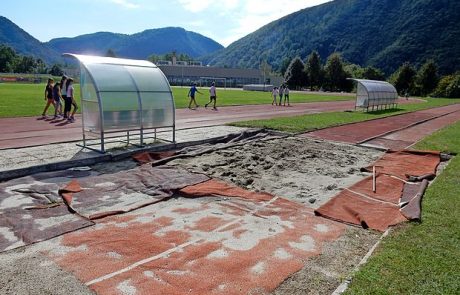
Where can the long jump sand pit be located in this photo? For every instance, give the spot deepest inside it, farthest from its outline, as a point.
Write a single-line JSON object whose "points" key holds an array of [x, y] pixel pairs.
{"points": [[252, 233], [301, 169]]}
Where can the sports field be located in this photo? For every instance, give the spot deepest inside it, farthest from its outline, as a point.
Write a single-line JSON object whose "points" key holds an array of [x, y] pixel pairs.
{"points": [[17, 100]]}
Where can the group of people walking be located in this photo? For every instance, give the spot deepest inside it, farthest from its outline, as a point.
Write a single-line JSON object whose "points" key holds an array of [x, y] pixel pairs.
{"points": [[281, 92], [212, 96], [55, 94]]}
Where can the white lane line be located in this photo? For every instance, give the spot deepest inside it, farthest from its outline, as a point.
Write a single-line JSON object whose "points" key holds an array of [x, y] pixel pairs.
{"points": [[172, 250]]}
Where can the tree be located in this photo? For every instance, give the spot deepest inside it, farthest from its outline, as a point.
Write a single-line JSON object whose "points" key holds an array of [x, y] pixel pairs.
{"points": [[7, 59], [40, 66], [371, 73], [427, 77], [25, 64], [110, 53], [449, 86], [295, 75], [354, 70], [314, 70], [404, 79], [284, 65], [266, 69], [56, 70], [335, 75]]}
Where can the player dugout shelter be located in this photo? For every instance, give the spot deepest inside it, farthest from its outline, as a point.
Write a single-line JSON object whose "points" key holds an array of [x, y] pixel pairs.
{"points": [[375, 94], [123, 99]]}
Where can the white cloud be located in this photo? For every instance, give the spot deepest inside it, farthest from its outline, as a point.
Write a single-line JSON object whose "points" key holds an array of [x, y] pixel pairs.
{"points": [[195, 6], [126, 3], [237, 18]]}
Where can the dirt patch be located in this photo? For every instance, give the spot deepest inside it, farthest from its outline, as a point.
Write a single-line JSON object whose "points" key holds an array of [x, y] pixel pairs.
{"points": [[322, 274], [27, 272], [301, 169]]}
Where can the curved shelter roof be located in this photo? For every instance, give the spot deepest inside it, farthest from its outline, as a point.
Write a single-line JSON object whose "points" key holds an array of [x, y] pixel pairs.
{"points": [[370, 93], [123, 94]]}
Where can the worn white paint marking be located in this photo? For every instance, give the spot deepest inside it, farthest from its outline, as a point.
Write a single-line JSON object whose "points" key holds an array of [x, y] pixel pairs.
{"points": [[221, 253], [306, 243], [8, 234], [222, 287], [322, 228], [175, 249], [105, 184], [140, 262], [49, 222], [114, 255], [259, 268], [281, 253], [126, 288], [16, 201], [177, 272]]}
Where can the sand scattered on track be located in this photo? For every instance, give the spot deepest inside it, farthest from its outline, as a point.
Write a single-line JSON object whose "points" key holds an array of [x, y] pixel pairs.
{"points": [[305, 170]]}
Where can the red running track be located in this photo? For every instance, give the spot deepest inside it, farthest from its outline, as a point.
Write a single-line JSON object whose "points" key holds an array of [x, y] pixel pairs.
{"points": [[396, 132], [31, 131]]}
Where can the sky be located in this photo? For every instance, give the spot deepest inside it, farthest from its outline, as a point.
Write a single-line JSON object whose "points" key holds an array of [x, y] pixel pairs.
{"points": [[224, 21]]}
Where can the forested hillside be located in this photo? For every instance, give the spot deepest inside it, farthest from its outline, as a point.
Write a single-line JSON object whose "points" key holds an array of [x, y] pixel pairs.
{"points": [[13, 36], [140, 45], [383, 34]]}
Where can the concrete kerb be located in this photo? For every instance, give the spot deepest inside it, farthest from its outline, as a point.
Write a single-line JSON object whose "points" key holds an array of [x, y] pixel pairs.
{"points": [[119, 155]]}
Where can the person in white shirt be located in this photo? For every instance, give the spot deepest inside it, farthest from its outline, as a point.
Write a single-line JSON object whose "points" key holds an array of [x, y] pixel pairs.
{"points": [[275, 95], [286, 95], [212, 96], [70, 97]]}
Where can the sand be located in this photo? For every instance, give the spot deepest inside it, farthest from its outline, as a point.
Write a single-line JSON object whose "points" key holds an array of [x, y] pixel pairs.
{"points": [[304, 170]]}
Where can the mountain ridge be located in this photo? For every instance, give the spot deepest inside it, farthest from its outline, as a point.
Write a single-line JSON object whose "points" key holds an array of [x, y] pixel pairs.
{"points": [[382, 33], [138, 45]]}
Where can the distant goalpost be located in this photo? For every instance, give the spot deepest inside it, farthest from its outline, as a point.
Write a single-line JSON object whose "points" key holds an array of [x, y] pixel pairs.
{"points": [[206, 81]]}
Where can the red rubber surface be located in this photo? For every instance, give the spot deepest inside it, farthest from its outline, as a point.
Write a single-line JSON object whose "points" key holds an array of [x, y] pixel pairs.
{"points": [[30, 131], [394, 132]]}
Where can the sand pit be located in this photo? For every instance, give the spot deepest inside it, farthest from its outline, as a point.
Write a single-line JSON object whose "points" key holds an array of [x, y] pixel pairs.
{"points": [[304, 170]]}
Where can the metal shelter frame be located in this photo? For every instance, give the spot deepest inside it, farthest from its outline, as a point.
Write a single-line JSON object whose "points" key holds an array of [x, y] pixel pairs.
{"points": [[123, 100], [375, 94]]}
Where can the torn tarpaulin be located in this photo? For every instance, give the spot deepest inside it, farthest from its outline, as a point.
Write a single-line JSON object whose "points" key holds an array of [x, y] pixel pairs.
{"points": [[124, 191], [31, 209], [394, 199]]}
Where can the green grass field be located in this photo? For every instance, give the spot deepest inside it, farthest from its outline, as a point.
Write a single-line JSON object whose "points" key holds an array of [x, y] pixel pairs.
{"points": [[422, 258], [18, 100], [316, 121]]}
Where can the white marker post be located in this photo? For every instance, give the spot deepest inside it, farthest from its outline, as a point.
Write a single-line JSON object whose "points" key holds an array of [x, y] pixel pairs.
{"points": [[374, 184]]}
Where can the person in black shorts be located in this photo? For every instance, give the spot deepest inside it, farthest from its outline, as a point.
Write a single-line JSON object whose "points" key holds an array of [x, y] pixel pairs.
{"points": [[70, 100], [191, 94], [57, 100], [48, 97], [212, 96], [64, 96]]}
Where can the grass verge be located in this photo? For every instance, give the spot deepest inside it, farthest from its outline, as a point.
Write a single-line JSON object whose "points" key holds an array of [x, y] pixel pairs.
{"points": [[18, 99], [310, 122], [422, 258]]}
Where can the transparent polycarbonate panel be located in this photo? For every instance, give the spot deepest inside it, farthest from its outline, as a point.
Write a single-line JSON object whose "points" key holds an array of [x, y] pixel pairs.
{"points": [[88, 91], [111, 77], [91, 115], [88, 59], [120, 110], [158, 109], [149, 79], [361, 96]]}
